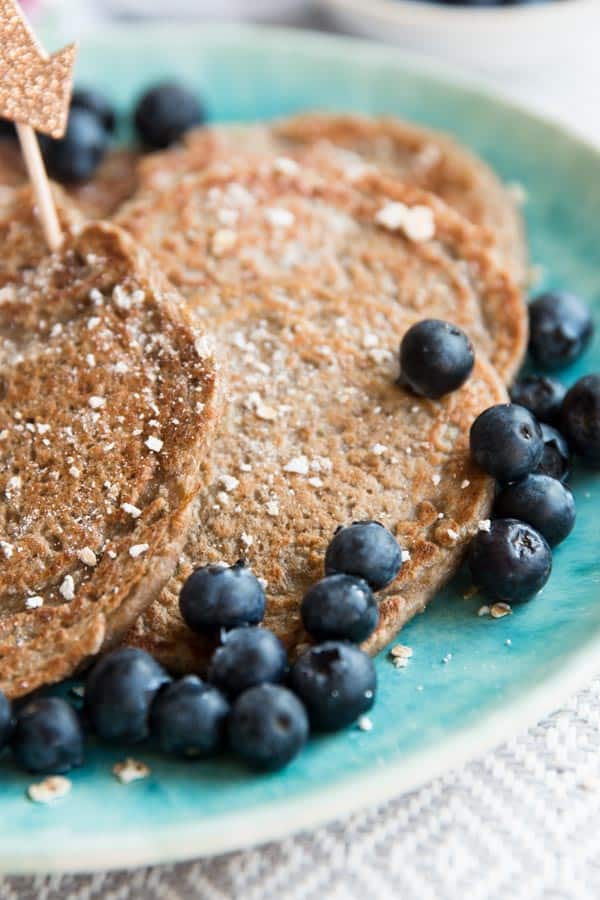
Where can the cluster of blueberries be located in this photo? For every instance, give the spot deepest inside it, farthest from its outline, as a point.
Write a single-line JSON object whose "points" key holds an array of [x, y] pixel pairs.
{"points": [[525, 445], [252, 700], [161, 116]]}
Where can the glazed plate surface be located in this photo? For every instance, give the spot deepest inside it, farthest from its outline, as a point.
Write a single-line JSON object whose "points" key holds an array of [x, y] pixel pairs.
{"points": [[500, 675]]}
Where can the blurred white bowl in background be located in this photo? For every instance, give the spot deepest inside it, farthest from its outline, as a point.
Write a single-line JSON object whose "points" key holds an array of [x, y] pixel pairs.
{"points": [[555, 31], [251, 10]]}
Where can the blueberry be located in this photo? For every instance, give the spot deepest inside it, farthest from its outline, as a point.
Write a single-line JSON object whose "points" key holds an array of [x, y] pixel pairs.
{"points": [[435, 358], [95, 102], [164, 113], [77, 155], [247, 657], [6, 720], [560, 328], [222, 597], [511, 561], [47, 737], [119, 691], [556, 458], [7, 129], [268, 726], [540, 395], [340, 607], [506, 441], [580, 418], [542, 502], [188, 718], [336, 682], [367, 550]]}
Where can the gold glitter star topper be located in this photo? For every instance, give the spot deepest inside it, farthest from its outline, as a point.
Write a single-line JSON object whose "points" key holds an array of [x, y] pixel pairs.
{"points": [[35, 92]]}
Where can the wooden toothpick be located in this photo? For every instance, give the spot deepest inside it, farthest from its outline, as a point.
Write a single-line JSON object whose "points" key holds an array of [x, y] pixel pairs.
{"points": [[41, 186], [35, 92]]}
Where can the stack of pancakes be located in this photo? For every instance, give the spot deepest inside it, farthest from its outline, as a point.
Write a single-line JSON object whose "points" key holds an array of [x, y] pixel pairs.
{"points": [[306, 249]]}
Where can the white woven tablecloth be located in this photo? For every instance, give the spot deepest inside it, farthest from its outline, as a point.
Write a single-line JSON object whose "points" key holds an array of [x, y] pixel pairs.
{"points": [[521, 823]]}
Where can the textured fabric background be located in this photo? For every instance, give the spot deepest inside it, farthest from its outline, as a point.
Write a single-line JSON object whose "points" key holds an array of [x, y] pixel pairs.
{"points": [[522, 823]]}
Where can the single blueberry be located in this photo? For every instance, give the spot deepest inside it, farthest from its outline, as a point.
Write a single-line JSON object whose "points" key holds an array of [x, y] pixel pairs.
{"points": [[336, 682], [542, 502], [511, 561], [556, 458], [188, 718], [506, 441], [7, 129], [6, 720], [560, 328], [97, 103], [248, 656], [164, 113], [435, 358], [47, 737], [580, 418], [340, 607], [540, 395], [365, 549], [268, 726], [76, 156], [119, 690], [219, 596]]}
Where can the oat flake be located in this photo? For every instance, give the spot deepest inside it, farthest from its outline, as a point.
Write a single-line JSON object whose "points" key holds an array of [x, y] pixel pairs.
{"points": [[499, 610], [154, 443], [87, 556], [298, 465], [138, 550], [130, 770], [53, 788], [67, 588], [134, 511]]}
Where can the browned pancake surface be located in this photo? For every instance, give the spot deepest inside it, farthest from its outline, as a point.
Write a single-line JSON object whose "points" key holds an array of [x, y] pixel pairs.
{"points": [[347, 143], [22, 244], [107, 406], [316, 434], [249, 223]]}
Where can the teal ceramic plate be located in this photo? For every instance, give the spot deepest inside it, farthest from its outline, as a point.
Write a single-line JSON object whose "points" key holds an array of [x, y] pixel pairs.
{"points": [[499, 674]]}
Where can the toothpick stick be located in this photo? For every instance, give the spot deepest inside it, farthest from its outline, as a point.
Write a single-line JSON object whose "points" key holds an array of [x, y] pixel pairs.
{"points": [[41, 186]]}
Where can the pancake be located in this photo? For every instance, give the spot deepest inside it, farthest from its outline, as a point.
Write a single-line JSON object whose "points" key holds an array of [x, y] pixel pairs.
{"points": [[310, 291], [317, 433], [371, 240], [412, 154], [108, 406], [21, 234]]}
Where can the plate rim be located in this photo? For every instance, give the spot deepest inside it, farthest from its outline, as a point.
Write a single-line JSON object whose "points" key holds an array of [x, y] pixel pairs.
{"points": [[282, 817], [228, 833], [477, 83]]}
